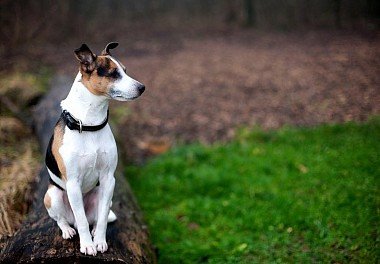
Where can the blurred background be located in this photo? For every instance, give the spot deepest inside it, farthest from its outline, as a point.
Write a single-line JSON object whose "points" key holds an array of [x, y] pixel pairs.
{"points": [[227, 63], [212, 68]]}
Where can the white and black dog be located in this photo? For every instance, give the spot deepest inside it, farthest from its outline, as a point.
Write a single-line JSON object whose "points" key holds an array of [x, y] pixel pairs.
{"points": [[81, 157]]}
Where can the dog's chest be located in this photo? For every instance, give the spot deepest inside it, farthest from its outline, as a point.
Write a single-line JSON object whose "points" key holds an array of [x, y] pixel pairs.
{"points": [[89, 156]]}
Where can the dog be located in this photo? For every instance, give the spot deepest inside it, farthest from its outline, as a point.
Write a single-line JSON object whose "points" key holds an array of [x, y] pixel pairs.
{"points": [[81, 157]]}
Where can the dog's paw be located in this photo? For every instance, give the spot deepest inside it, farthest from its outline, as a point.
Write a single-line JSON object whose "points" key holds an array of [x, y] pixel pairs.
{"points": [[88, 249], [68, 232], [101, 246]]}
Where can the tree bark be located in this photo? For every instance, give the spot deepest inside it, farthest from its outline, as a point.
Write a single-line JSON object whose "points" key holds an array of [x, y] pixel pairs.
{"points": [[250, 15], [39, 240], [337, 13]]}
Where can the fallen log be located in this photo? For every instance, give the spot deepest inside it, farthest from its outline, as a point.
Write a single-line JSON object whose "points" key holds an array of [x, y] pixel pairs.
{"points": [[39, 239]]}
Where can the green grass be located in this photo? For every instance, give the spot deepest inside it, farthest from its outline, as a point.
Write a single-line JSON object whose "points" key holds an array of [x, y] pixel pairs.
{"points": [[308, 195]]}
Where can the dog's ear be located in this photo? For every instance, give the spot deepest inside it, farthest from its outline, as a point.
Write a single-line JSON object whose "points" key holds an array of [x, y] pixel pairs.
{"points": [[86, 58], [109, 46]]}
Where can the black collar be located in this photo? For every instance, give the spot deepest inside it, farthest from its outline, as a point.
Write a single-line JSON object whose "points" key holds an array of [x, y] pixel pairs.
{"points": [[75, 124]]}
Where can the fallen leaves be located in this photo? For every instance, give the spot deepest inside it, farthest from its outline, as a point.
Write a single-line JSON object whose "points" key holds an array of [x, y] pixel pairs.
{"points": [[201, 92]]}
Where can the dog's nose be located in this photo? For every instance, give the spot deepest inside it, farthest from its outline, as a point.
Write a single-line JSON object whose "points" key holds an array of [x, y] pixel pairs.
{"points": [[141, 88]]}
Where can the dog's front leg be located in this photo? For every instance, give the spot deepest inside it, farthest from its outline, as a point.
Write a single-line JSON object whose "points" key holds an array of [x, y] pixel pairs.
{"points": [[74, 193], [105, 193]]}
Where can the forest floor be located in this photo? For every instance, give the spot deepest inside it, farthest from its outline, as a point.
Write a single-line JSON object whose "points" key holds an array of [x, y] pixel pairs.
{"points": [[201, 88]]}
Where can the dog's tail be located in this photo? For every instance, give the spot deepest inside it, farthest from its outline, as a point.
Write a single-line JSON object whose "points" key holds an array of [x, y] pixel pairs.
{"points": [[111, 217]]}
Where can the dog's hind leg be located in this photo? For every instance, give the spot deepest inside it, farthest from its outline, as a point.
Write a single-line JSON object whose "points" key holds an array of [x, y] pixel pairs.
{"points": [[111, 216], [57, 207], [67, 230]]}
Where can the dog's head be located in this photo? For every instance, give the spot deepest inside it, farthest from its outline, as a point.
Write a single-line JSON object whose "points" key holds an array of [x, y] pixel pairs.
{"points": [[104, 75]]}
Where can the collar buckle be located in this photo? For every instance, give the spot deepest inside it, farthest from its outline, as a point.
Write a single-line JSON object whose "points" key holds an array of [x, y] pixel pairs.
{"points": [[80, 126]]}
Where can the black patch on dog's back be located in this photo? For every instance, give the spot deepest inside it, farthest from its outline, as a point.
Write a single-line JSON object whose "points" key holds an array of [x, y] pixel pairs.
{"points": [[50, 160]]}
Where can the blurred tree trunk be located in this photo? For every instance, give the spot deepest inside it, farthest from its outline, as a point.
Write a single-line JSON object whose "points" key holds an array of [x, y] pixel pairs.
{"points": [[305, 8], [230, 15], [373, 8], [337, 12], [250, 16]]}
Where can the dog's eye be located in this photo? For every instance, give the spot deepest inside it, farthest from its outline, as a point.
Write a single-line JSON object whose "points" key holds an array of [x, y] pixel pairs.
{"points": [[102, 71], [114, 74]]}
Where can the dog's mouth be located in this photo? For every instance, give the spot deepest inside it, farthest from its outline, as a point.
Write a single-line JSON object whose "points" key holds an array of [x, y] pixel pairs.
{"points": [[122, 98]]}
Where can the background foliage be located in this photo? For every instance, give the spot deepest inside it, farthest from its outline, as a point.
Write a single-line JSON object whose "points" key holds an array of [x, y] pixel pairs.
{"points": [[48, 20]]}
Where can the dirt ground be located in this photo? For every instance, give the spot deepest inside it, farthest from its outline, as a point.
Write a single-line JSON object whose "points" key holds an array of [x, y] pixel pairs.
{"points": [[201, 86]]}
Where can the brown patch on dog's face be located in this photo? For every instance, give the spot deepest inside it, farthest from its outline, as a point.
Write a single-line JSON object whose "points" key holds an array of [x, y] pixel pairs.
{"points": [[47, 201], [100, 80], [57, 143]]}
